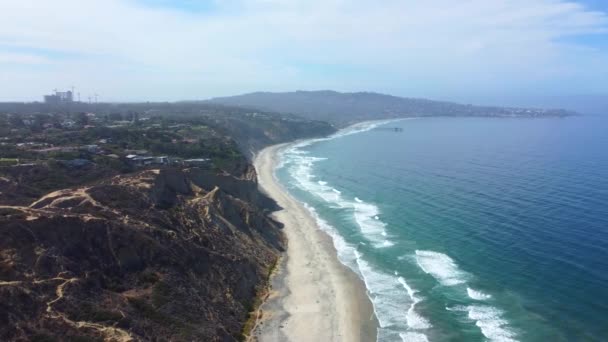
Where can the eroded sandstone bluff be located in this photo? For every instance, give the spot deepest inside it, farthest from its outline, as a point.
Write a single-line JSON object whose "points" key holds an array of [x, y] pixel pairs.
{"points": [[172, 254]]}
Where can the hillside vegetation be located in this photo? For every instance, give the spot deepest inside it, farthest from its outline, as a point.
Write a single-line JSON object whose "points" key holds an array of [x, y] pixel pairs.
{"points": [[135, 222], [169, 255]]}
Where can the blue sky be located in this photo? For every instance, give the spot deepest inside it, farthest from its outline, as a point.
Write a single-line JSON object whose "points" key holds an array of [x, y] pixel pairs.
{"points": [[129, 50], [191, 6]]}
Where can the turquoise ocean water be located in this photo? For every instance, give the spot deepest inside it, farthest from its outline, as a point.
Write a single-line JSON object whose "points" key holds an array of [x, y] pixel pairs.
{"points": [[468, 229]]}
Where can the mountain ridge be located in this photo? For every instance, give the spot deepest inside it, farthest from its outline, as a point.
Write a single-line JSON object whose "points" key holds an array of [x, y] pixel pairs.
{"points": [[342, 109]]}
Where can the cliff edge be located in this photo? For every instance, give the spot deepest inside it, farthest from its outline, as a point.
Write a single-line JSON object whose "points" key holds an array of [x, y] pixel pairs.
{"points": [[174, 254]]}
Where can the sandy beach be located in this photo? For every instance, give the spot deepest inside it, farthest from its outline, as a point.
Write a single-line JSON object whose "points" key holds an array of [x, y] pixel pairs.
{"points": [[314, 297]]}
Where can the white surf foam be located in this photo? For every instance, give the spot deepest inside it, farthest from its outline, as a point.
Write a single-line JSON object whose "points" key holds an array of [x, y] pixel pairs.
{"points": [[413, 337], [488, 318], [440, 266], [410, 291], [414, 320], [390, 295], [394, 301], [477, 295], [393, 305], [365, 214], [490, 321], [282, 162], [301, 169], [373, 229], [346, 252], [354, 129], [363, 127]]}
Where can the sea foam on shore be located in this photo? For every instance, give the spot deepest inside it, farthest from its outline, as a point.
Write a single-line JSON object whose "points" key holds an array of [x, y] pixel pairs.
{"points": [[394, 301]]}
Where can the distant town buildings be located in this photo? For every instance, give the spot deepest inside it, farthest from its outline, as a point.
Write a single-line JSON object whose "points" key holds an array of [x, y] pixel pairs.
{"points": [[147, 160], [197, 162], [59, 97]]}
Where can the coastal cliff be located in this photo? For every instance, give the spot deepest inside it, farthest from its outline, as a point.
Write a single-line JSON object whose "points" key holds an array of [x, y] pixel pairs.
{"points": [[136, 222], [170, 254]]}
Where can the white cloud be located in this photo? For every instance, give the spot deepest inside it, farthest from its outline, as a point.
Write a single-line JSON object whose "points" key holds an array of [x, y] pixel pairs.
{"points": [[432, 47]]}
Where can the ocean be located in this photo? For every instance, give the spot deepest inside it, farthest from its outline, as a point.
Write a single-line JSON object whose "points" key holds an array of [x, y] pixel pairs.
{"points": [[467, 229]]}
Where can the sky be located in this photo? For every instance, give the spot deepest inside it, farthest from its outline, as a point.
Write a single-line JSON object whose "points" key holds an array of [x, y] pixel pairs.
{"points": [[167, 50]]}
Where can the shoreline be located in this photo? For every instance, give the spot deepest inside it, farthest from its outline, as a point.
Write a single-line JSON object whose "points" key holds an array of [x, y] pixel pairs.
{"points": [[314, 297]]}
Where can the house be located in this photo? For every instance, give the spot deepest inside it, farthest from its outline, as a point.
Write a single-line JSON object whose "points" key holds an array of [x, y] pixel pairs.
{"points": [[31, 145], [136, 152], [197, 162], [76, 163], [164, 160], [146, 160], [90, 148], [56, 149], [68, 124], [142, 161]]}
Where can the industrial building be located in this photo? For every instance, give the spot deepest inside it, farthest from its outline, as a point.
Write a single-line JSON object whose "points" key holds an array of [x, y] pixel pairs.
{"points": [[59, 97]]}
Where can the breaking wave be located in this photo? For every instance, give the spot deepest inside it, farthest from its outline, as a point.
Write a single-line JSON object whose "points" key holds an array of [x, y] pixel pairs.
{"points": [[477, 295], [440, 266], [300, 167], [394, 301], [390, 295], [488, 318], [490, 321]]}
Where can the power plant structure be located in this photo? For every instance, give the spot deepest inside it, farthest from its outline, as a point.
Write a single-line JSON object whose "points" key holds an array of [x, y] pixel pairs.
{"points": [[68, 97], [60, 97]]}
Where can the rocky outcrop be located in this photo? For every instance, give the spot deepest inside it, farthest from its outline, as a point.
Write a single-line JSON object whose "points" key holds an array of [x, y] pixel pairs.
{"points": [[158, 255]]}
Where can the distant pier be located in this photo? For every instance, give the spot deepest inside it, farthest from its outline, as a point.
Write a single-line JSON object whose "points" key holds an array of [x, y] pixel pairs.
{"points": [[390, 129]]}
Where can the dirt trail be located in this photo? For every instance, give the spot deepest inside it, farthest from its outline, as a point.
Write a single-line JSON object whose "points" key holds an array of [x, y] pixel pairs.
{"points": [[111, 334]]}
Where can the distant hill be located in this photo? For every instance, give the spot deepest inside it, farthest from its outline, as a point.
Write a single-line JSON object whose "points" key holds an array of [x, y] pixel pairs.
{"points": [[345, 108]]}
